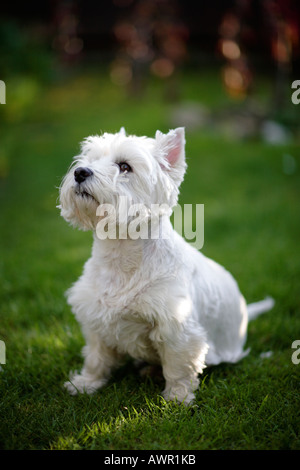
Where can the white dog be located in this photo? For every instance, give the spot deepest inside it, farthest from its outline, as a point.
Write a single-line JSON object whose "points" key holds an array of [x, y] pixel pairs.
{"points": [[158, 300]]}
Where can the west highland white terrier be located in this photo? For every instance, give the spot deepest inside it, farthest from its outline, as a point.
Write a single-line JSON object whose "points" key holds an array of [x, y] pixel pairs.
{"points": [[155, 298]]}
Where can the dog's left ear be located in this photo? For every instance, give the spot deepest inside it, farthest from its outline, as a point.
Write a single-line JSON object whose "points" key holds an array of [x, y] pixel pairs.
{"points": [[171, 147]]}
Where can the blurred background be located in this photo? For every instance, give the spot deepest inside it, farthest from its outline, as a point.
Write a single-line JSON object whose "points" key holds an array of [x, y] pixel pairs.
{"points": [[227, 65]]}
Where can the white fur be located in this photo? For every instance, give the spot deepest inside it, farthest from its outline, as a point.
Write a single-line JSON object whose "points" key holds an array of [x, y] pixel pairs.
{"points": [[159, 300]]}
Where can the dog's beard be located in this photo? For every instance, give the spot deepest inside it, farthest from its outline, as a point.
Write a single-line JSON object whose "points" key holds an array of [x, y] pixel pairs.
{"points": [[78, 203], [84, 193], [85, 206]]}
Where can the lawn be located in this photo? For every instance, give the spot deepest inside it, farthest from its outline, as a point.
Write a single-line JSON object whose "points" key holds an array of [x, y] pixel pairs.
{"points": [[252, 227]]}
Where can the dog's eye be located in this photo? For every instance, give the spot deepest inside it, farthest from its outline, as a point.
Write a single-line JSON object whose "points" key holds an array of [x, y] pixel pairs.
{"points": [[124, 167]]}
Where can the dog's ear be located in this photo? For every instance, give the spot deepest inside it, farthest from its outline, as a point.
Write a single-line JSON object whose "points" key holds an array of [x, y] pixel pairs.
{"points": [[122, 131], [170, 148]]}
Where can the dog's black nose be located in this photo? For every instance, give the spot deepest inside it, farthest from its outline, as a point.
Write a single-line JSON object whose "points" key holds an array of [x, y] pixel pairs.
{"points": [[81, 174]]}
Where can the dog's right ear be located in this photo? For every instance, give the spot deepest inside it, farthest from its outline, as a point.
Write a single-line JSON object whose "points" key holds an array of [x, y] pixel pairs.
{"points": [[170, 150]]}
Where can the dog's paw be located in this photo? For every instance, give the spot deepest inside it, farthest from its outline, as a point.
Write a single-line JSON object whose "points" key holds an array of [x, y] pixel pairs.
{"points": [[82, 384], [188, 398]]}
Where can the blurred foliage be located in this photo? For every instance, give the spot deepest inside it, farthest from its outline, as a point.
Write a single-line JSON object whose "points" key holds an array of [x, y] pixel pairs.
{"points": [[26, 63], [23, 52]]}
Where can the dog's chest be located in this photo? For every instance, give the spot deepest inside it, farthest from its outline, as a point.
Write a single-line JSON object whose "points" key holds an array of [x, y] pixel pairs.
{"points": [[130, 334], [125, 324], [118, 311]]}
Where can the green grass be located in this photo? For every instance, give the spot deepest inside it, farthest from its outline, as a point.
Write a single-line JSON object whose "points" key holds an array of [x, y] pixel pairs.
{"points": [[251, 226]]}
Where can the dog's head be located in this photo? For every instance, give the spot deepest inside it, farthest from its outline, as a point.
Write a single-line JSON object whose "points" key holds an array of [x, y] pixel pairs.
{"points": [[144, 170]]}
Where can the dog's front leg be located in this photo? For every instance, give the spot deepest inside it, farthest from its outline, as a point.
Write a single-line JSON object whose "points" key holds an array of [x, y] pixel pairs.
{"points": [[98, 363], [181, 382], [182, 361]]}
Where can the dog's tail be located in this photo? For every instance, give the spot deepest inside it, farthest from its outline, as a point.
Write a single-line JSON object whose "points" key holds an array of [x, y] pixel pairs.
{"points": [[257, 308]]}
